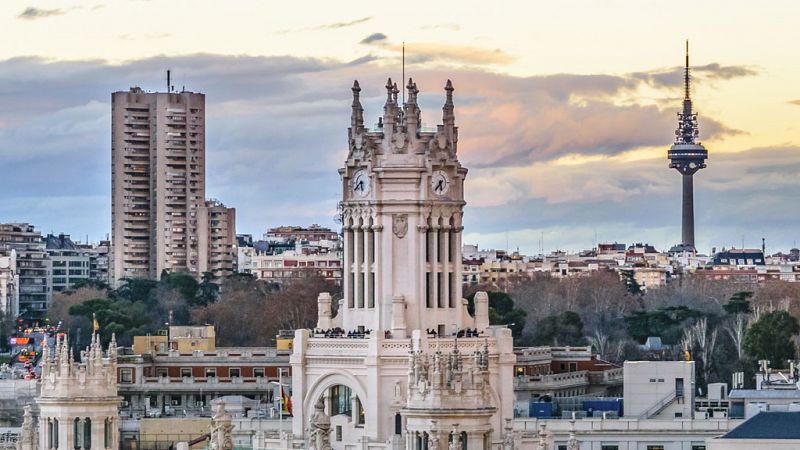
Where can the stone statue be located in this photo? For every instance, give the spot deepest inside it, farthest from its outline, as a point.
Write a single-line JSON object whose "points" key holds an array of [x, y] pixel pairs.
{"points": [[319, 428], [221, 429]]}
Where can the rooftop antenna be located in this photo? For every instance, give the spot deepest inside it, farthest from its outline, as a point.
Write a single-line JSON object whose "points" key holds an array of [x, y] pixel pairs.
{"points": [[404, 70], [168, 80]]}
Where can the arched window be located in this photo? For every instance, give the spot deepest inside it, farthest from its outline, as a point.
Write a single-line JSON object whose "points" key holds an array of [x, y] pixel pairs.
{"points": [[77, 432], [398, 424], [87, 433], [107, 433], [54, 434]]}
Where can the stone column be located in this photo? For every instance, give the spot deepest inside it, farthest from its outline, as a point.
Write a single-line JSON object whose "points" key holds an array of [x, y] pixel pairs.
{"points": [[98, 433], [357, 254], [435, 257], [348, 267], [369, 302], [446, 268]]}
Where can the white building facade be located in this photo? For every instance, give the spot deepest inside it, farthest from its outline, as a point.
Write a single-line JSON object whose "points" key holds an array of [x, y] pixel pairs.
{"points": [[412, 384]]}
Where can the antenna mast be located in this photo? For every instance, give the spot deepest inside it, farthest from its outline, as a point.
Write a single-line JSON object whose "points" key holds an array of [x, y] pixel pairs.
{"points": [[168, 80], [403, 78]]}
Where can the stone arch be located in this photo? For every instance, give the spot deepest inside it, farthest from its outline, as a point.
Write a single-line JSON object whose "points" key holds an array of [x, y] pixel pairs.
{"points": [[328, 380]]}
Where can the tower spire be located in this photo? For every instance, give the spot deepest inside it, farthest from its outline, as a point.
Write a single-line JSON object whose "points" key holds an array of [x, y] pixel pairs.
{"points": [[686, 74], [687, 130], [357, 115]]}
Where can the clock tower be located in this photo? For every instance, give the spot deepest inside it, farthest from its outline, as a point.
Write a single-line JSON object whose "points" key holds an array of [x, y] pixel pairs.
{"points": [[402, 203], [402, 364]]}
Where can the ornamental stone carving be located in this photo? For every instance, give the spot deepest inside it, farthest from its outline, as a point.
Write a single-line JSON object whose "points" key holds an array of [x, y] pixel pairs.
{"points": [[400, 225]]}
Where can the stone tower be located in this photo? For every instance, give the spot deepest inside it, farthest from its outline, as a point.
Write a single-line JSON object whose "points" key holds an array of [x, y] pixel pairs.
{"points": [[78, 402], [401, 209], [687, 155]]}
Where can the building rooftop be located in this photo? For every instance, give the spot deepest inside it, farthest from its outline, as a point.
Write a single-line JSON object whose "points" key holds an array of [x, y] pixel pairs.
{"points": [[764, 393], [768, 425]]}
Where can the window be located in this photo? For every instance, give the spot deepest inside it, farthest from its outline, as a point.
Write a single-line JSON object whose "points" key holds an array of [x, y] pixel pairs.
{"points": [[655, 447], [211, 372], [698, 446], [186, 372], [258, 372], [609, 447], [126, 376], [235, 372], [338, 433], [161, 372], [573, 367]]}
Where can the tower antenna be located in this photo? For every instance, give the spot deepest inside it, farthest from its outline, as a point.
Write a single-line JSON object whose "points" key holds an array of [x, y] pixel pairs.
{"points": [[168, 79], [686, 72], [404, 70]]}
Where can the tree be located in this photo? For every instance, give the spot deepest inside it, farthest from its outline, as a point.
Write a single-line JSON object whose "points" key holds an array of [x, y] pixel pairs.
{"points": [[562, 329], [739, 303], [668, 323], [630, 281], [771, 338], [209, 291]]}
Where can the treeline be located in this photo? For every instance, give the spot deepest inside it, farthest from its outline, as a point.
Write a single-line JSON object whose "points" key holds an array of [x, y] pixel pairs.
{"points": [[724, 326], [244, 310]]}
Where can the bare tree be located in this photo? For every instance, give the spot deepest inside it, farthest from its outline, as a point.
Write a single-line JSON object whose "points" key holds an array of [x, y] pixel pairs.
{"points": [[736, 328]]}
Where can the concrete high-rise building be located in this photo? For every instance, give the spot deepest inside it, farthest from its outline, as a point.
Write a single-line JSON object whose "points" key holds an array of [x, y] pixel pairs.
{"points": [[31, 263], [159, 220], [687, 156]]}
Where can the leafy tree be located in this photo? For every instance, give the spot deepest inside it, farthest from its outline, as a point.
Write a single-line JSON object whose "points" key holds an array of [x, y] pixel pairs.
{"points": [[209, 291], [184, 283], [562, 329], [668, 323], [771, 338], [739, 303]]}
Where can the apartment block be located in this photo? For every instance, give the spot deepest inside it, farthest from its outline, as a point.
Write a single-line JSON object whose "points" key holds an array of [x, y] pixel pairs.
{"points": [[31, 263], [217, 239], [160, 218]]}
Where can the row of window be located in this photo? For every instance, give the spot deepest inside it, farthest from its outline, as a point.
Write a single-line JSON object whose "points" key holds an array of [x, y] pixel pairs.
{"points": [[126, 374]]}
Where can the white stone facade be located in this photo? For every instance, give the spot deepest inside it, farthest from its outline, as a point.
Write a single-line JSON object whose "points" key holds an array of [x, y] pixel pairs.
{"points": [[78, 402], [403, 308]]}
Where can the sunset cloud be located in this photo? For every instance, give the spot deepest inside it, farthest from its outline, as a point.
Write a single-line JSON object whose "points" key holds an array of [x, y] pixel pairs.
{"points": [[545, 152]]}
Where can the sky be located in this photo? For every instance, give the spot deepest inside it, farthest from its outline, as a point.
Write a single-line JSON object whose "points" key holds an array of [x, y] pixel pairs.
{"points": [[565, 109]]}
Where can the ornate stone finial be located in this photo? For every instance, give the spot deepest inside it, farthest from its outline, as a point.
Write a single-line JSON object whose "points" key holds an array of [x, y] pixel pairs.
{"points": [[112, 348], [508, 436], [395, 91], [412, 91], [357, 115], [572, 441], [448, 110], [27, 436], [389, 86], [542, 437]]}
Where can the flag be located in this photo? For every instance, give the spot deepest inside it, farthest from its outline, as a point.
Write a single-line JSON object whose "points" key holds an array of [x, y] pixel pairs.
{"points": [[95, 323], [286, 403]]}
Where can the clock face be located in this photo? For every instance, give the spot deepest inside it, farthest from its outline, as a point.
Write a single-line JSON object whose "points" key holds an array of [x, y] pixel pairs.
{"points": [[440, 183], [360, 183]]}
